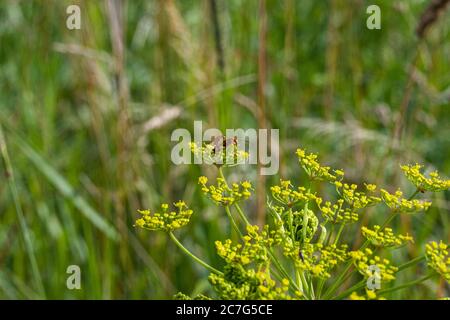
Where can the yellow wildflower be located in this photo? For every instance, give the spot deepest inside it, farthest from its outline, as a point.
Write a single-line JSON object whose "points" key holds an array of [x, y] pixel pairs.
{"points": [[165, 220], [433, 183]]}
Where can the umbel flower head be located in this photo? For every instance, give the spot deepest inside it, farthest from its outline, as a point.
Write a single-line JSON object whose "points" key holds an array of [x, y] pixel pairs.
{"points": [[337, 213], [286, 194], [317, 259], [434, 183], [165, 220], [247, 271], [224, 195], [346, 209], [238, 283], [363, 259], [399, 204], [223, 154], [314, 169], [252, 250], [438, 258], [385, 237], [357, 199], [241, 253]]}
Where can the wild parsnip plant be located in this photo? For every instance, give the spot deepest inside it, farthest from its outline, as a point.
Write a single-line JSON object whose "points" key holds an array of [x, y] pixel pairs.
{"points": [[300, 253]]}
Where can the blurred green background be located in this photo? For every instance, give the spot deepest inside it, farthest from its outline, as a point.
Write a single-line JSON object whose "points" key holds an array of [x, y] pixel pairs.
{"points": [[86, 117]]}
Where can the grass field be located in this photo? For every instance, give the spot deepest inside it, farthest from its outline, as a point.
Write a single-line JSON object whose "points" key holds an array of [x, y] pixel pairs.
{"points": [[86, 118]]}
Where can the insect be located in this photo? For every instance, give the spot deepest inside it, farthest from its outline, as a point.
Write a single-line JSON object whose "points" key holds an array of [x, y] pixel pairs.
{"points": [[300, 254], [221, 142]]}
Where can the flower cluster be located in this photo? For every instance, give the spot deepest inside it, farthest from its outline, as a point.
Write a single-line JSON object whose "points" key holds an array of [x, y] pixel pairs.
{"points": [[287, 195], [165, 220], [182, 296], [239, 280], [438, 257], [224, 195], [363, 259], [399, 204], [434, 183], [253, 249], [370, 295], [345, 210], [317, 259], [265, 237], [385, 237], [336, 213], [219, 155], [241, 253], [237, 283], [357, 199], [313, 168]]}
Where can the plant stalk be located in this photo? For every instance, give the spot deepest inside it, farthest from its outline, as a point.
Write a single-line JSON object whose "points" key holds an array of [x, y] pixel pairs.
{"points": [[187, 252]]}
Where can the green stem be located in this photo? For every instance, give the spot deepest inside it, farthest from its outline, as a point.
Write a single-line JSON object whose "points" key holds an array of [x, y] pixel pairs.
{"points": [[406, 285], [312, 293], [320, 287], [414, 194], [233, 222], [299, 280], [200, 261], [357, 286], [283, 271], [339, 233], [304, 284], [291, 224], [411, 263], [337, 283], [238, 208], [241, 214], [277, 275], [223, 177], [388, 220], [327, 242]]}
